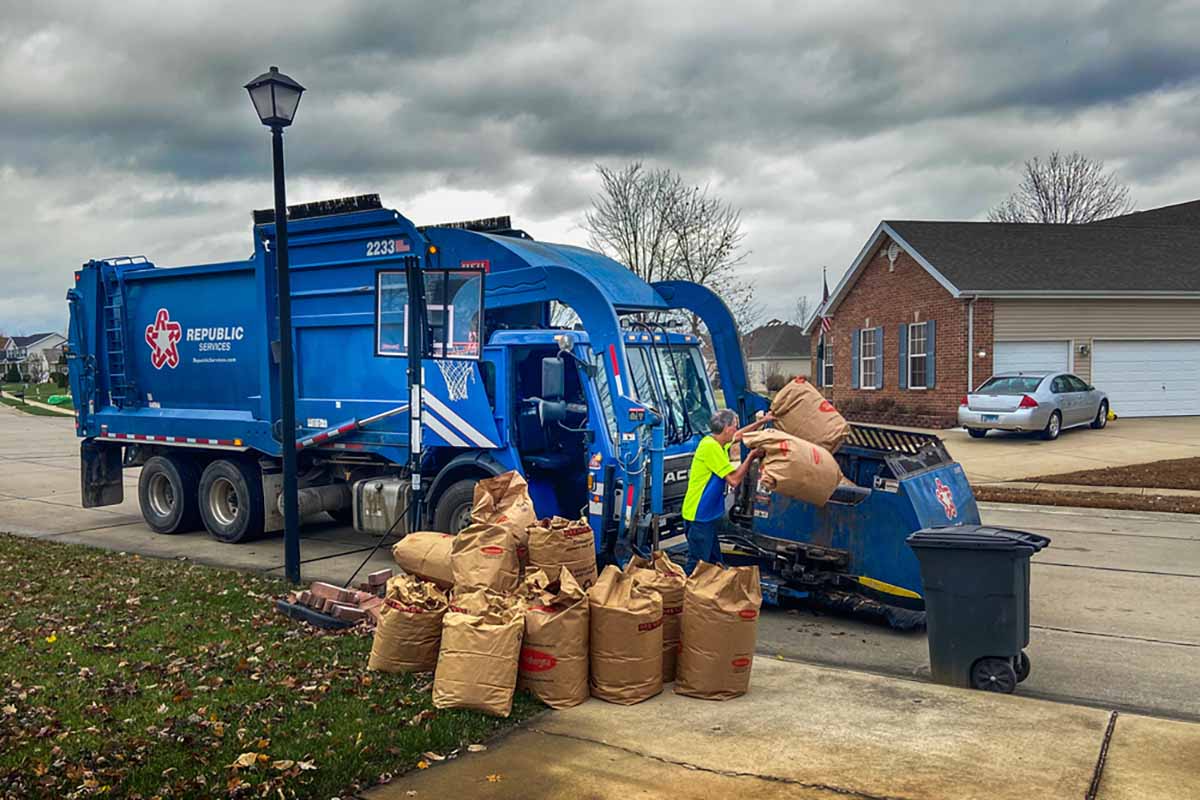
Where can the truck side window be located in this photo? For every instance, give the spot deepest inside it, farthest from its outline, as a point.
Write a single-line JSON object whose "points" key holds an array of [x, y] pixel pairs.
{"points": [[453, 300], [604, 390]]}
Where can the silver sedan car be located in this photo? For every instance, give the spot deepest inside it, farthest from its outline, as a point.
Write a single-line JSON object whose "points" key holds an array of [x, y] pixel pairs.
{"points": [[1033, 401]]}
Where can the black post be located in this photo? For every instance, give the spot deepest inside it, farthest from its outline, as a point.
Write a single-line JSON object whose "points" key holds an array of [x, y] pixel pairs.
{"points": [[416, 351], [287, 380]]}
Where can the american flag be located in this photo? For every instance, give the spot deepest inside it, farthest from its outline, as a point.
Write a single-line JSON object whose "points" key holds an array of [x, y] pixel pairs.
{"points": [[826, 322]]}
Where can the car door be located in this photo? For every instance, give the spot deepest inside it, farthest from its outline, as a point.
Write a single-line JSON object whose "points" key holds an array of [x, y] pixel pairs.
{"points": [[1088, 403], [1060, 388]]}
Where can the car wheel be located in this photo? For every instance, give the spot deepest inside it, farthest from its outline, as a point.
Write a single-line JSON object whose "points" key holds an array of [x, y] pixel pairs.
{"points": [[167, 494], [453, 510], [231, 501], [1053, 427], [977, 433], [1101, 416]]}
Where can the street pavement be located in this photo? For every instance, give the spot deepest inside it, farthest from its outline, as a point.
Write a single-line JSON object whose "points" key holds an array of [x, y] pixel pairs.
{"points": [[1115, 598]]}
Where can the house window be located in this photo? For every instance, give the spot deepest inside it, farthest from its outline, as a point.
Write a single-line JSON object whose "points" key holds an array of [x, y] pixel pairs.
{"points": [[827, 366], [867, 358], [918, 356]]}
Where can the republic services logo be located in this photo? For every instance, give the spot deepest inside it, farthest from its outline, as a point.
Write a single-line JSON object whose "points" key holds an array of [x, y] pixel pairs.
{"points": [[163, 337], [946, 497]]}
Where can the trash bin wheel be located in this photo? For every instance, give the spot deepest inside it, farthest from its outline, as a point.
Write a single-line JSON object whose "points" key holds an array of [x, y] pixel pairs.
{"points": [[1021, 666], [994, 675]]}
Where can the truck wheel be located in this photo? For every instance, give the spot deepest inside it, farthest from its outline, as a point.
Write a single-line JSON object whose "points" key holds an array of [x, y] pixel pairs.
{"points": [[453, 510], [167, 494], [231, 501]]}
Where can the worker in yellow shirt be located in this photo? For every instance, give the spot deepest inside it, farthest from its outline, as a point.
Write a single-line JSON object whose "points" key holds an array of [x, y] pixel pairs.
{"points": [[711, 474]]}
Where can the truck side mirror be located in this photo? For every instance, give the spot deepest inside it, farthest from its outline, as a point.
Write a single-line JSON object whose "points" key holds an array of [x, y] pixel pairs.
{"points": [[553, 378]]}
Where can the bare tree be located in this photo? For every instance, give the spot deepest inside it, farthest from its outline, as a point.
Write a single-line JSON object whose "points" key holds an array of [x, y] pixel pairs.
{"points": [[802, 310], [1064, 189], [663, 229], [628, 219]]}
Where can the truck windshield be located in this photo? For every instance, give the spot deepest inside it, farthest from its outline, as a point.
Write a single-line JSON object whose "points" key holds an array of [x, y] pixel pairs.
{"points": [[673, 380]]}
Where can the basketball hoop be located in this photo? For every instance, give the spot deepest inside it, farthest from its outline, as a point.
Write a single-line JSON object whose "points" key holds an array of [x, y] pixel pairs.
{"points": [[456, 374]]}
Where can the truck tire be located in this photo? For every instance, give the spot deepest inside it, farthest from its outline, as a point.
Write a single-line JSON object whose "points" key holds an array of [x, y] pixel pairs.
{"points": [[231, 501], [167, 494], [453, 510]]}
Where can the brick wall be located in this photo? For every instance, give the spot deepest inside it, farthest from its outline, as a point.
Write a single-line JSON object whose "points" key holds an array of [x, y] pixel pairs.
{"points": [[886, 297]]}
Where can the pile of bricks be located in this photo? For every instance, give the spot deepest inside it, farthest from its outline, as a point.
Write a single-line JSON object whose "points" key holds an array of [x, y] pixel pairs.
{"points": [[350, 605]]}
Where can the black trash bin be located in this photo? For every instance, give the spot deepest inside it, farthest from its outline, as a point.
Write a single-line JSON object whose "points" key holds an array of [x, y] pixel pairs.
{"points": [[976, 581]]}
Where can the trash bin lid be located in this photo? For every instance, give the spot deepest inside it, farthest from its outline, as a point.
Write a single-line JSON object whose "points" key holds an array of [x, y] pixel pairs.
{"points": [[977, 537]]}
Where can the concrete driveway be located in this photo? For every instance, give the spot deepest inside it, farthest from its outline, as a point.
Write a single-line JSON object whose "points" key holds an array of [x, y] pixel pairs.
{"points": [[1011, 456]]}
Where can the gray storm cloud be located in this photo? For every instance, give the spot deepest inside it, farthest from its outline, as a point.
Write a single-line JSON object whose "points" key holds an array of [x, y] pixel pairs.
{"points": [[124, 128]]}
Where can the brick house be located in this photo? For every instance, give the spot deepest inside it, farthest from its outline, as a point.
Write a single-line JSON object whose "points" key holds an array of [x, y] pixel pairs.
{"points": [[930, 310]]}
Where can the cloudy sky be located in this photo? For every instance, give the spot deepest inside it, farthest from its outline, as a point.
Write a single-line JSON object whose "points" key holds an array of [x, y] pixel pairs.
{"points": [[124, 128]]}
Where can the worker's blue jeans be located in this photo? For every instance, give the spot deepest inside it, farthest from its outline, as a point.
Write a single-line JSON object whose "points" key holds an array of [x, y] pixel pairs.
{"points": [[703, 544]]}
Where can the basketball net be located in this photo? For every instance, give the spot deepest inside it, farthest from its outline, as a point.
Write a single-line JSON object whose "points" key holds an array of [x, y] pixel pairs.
{"points": [[456, 374]]}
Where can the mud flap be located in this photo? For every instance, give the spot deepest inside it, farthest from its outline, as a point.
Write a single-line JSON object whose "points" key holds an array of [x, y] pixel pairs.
{"points": [[100, 474]]}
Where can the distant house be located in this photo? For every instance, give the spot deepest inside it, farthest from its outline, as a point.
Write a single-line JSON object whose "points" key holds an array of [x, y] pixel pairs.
{"points": [[36, 356], [930, 310], [777, 348]]}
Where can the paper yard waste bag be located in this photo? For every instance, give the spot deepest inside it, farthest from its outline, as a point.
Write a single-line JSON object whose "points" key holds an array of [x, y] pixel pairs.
{"points": [[667, 578], [504, 500], [481, 642], [801, 410], [554, 652], [409, 632], [426, 554], [626, 639], [720, 626], [795, 467], [485, 555], [562, 542]]}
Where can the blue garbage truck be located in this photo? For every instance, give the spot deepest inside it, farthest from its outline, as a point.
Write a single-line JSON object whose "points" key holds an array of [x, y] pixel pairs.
{"points": [[175, 370]]}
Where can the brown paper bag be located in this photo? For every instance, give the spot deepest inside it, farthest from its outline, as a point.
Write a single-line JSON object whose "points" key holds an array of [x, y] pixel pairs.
{"points": [[554, 652], [720, 626], [561, 542], [426, 554], [626, 639], [477, 663], [667, 578], [409, 632], [801, 410], [504, 500], [795, 467], [485, 555]]}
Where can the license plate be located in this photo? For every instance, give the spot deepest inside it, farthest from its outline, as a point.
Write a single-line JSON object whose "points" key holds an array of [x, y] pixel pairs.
{"points": [[990, 418]]}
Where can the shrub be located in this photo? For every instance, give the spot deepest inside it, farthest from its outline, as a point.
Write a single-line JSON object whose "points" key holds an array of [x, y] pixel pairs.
{"points": [[60, 380], [775, 382], [13, 375]]}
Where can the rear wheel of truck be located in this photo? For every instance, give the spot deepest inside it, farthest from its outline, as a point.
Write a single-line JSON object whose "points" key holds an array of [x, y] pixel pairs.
{"points": [[231, 501], [453, 510], [167, 494]]}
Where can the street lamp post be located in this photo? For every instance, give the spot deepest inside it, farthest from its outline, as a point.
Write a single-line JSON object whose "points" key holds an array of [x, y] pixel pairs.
{"points": [[276, 97]]}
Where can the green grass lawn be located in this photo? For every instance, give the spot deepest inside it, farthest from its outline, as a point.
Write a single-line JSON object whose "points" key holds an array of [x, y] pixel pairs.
{"points": [[129, 677], [41, 392], [28, 409]]}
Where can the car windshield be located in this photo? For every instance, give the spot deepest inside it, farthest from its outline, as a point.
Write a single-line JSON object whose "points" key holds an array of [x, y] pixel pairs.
{"points": [[1011, 384]]}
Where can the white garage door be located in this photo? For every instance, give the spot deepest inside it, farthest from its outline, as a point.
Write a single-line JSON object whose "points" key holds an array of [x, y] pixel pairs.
{"points": [[1050, 356], [1149, 379]]}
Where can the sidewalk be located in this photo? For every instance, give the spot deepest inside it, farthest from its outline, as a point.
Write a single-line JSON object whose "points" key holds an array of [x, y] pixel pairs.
{"points": [[824, 734], [39, 404], [1078, 487]]}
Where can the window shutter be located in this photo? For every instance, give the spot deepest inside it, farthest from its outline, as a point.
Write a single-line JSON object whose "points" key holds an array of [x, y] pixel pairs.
{"points": [[854, 365], [879, 359], [820, 381], [902, 365], [931, 355]]}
